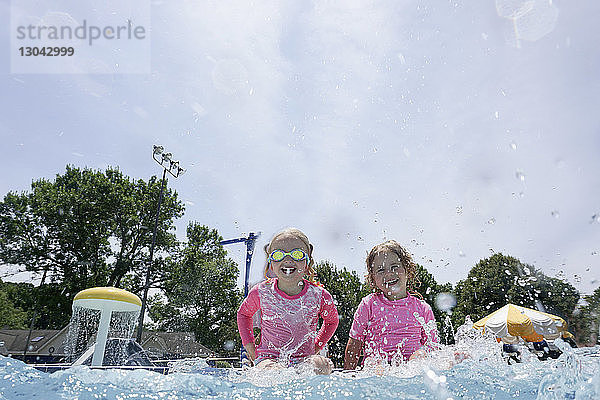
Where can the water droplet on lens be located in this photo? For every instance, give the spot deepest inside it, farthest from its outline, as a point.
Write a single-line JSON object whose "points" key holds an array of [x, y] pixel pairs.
{"points": [[229, 345], [555, 214], [445, 302]]}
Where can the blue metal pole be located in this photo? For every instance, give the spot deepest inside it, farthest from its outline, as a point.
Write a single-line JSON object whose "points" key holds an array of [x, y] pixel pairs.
{"points": [[250, 242]]}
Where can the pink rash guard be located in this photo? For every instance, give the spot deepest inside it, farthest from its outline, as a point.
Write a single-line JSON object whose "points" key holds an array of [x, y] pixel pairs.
{"points": [[288, 323], [389, 327]]}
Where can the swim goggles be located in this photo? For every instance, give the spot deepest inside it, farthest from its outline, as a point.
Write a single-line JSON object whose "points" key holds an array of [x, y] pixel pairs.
{"points": [[296, 255]]}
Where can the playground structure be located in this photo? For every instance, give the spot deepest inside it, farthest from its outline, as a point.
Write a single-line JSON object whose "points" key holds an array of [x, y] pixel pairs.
{"points": [[106, 300], [250, 242]]}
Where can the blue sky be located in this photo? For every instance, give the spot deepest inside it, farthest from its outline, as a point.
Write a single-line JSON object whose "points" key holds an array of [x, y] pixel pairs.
{"points": [[448, 127]]}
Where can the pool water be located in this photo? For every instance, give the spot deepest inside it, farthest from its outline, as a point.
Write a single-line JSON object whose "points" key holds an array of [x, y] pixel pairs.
{"points": [[574, 375]]}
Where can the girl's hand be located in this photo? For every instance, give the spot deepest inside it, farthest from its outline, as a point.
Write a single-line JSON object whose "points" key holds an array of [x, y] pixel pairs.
{"points": [[353, 350], [420, 353], [322, 365], [251, 351], [460, 356]]}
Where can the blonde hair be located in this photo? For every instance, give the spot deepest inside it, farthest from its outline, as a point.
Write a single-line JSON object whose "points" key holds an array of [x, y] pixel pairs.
{"points": [[297, 233], [391, 246]]}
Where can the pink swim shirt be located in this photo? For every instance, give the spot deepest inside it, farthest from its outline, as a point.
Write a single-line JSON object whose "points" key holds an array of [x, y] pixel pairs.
{"points": [[288, 323], [389, 327]]}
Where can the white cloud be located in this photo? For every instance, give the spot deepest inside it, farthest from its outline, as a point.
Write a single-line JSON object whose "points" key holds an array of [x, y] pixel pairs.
{"points": [[354, 120]]}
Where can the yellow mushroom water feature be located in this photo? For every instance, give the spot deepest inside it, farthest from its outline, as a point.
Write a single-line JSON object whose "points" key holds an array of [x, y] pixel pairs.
{"points": [[106, 300]]}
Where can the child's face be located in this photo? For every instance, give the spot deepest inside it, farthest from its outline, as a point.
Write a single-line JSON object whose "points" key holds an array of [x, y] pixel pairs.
{"points": [[389, 275], [288, 270]]}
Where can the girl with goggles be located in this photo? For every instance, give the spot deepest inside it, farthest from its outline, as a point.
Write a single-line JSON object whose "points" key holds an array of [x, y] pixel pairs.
{"points": [[290, 305], [296, 255]]}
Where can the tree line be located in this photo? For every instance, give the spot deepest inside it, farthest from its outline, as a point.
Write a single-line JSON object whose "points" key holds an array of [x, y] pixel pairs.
{"points": [[91, 228]]}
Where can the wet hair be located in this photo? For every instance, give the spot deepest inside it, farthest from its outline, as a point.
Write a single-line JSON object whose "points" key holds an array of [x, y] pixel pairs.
{"points": [[391, 246], [310, 272]]}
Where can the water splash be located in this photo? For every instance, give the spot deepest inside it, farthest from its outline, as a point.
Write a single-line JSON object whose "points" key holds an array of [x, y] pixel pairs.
{"points": [[448, 328], [430, 329], [84, 325], [472, 379], [566, 380], [187, 365], [437, 384]]}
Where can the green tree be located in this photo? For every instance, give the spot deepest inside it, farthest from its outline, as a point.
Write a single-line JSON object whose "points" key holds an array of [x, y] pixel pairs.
{"points": [[586, 322], [51, 307], [347, 291], [86, 228], [558, 297], [501, 279], [11, 317], [430, 289], [134, 218], [200, 292]]}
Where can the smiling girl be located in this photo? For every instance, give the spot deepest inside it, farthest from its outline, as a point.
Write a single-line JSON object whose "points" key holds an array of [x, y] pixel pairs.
{"points": [[391, 324], [290, 306]]}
